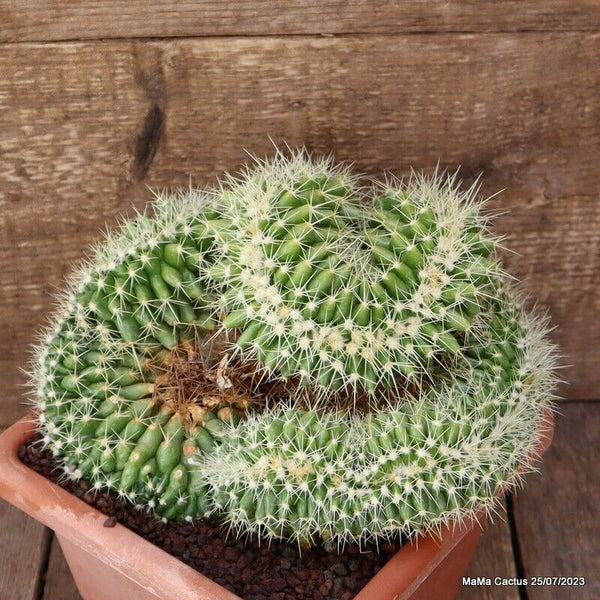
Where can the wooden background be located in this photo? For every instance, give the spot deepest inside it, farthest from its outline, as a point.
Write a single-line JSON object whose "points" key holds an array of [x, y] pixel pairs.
{"points": [[99, 100]]}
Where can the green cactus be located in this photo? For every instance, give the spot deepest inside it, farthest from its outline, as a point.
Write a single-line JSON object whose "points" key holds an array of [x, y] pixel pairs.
{"points": [[345, 297], [299, 355], [111, 373], [424, 462]]}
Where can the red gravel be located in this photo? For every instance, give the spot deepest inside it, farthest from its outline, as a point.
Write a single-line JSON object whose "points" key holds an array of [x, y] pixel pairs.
{"points": [[243, 566]]}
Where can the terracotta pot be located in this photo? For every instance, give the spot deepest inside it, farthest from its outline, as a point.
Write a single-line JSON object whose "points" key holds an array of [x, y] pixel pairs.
{"points": [[116, 564]]}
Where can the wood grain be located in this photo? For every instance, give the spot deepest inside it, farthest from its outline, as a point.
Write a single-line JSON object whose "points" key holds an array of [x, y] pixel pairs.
{"points": [[59, 583], [23, 547], [493, 558], [87, 126], [91, 19], [557, 514]]}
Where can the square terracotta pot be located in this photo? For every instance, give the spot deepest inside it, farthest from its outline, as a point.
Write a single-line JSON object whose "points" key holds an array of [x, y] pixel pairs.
{"points": [[117, 564]]}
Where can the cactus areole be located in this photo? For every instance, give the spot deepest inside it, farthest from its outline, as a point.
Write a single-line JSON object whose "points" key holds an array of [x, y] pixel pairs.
{"points": [[300, 355]]}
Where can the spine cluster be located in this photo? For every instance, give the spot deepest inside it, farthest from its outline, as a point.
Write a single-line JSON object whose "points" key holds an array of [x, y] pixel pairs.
{"points": [[406, 379]]}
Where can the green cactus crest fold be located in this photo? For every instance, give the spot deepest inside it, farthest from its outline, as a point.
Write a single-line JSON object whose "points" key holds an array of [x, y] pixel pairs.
{"points": [[298, 355]]}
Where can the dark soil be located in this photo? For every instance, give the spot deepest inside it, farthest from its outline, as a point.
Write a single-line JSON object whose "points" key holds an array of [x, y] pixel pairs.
{"points": [[251, 570]]}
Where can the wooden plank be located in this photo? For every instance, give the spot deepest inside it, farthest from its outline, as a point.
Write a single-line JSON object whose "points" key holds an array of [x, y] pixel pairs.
{"points": [[91, 19], [106, 119], [23, 551], [493, 558], [557, 513], [59, 581]]}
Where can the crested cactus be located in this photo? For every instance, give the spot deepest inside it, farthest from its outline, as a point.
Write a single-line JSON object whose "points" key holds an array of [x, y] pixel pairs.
{"points": [[298, 355]]}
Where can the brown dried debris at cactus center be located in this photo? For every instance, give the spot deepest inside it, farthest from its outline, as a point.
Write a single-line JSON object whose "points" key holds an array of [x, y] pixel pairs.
{"points": [[193, 383], [194, 379]]}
